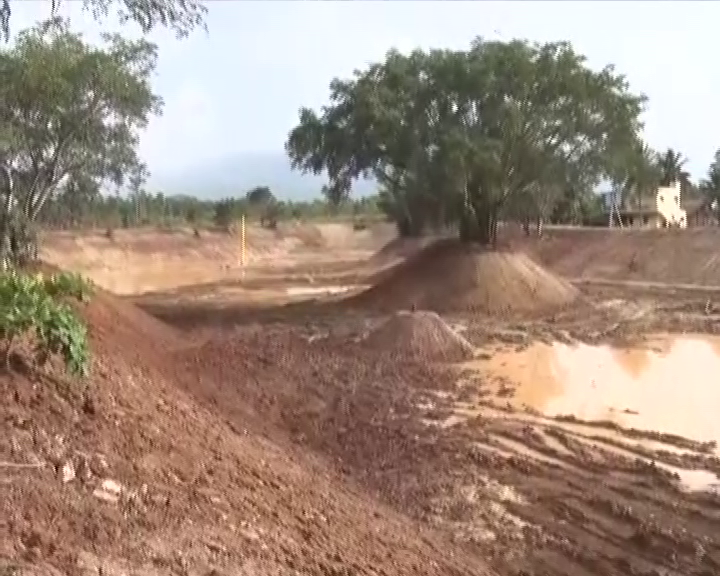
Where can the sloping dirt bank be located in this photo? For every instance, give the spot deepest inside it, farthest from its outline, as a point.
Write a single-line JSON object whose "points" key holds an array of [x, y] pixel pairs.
{"points": [[135, 261], [128, 474], [669, 256]]}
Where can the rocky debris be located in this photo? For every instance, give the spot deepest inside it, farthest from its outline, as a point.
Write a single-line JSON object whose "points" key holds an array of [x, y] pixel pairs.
{"points": [[109, 491], [67, 472]]}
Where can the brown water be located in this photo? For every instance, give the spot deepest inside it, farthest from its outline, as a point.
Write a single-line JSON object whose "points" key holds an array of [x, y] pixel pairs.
{"points": [[671, 385], [668, 385]]}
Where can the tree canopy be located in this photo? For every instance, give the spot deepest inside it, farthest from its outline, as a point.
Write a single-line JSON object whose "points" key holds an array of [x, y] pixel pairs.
{"points": [[182, 16], [461, 137], [70, 117]]}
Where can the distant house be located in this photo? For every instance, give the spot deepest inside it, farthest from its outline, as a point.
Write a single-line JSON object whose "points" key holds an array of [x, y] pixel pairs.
{"points": [[664, 210]]}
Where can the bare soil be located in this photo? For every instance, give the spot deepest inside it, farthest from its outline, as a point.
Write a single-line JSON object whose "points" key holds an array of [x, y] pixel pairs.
{"points": [[451, 277], [253, 433], [671, 256], [421, 335], [198, 489]]}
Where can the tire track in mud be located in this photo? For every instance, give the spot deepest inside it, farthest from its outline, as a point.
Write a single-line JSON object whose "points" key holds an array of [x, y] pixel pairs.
{"points": [[595, 490]]}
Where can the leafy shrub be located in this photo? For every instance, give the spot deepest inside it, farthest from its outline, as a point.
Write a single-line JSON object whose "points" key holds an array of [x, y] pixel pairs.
{"points": [[359, 225], [33, 305]]}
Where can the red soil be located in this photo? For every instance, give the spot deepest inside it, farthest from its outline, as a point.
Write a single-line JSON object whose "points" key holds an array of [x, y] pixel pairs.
{"points": [[200, 492], [452, 277]]}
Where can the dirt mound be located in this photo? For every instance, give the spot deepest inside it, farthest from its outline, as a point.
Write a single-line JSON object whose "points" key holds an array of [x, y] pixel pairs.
{"points": [[422, 335], [127, 472], [450, 277]]}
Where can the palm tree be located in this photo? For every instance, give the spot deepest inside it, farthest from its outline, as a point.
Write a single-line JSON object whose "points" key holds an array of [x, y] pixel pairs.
{"points": [[671, 165], [710, 186], [643, 175]]}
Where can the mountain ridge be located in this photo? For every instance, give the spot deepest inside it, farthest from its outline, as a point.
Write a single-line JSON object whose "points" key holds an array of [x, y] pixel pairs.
{"points": [[236, 174]]}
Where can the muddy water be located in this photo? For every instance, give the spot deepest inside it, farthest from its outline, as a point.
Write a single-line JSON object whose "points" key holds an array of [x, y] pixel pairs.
{"points": [[671, 385]]}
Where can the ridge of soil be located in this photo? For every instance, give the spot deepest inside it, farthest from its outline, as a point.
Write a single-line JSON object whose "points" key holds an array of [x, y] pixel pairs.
{"points": [[127, 472], [421, 335], [672, 256], [449, 276]]}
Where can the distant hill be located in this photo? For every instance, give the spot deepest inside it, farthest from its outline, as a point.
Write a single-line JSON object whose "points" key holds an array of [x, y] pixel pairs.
{"points": [[233, 176]]}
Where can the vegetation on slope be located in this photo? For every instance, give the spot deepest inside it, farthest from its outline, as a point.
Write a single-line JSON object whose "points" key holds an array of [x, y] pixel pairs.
{"points": [[34, 311]]}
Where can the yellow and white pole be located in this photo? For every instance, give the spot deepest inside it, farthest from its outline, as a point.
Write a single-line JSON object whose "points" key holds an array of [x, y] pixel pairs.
{"points": [[243, 247]]}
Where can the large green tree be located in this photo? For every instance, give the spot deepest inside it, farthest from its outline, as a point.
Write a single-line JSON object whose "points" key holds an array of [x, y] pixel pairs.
{"points": [[70, 116], [463, 136], [182, 16]]}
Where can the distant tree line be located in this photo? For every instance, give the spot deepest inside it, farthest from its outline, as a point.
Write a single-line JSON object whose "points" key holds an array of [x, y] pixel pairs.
{"points": [[75, 207]]}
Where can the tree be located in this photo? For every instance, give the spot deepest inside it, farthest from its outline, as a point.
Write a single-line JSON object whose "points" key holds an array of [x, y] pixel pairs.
{"points": [[224, 214], [710, 186], [672, 168], [462, 136], [182, 16], [260, 196], [642, 176], [70, 116]]}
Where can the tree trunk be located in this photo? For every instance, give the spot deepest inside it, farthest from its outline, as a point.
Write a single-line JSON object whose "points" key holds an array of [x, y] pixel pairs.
{"points": [[6, 208], [480, 227], [408, 228]]}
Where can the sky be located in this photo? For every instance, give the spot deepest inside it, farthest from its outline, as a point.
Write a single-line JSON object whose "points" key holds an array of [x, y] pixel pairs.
{"points": [[238, 88]]}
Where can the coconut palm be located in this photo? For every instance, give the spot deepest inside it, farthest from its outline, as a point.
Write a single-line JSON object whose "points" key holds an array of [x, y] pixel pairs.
{"points": [[643, 175], [672, 167], [710, 186]]}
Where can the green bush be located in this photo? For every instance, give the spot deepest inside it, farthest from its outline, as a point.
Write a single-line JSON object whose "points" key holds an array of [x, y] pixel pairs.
{"points": [[34, 305], [359, 225]]}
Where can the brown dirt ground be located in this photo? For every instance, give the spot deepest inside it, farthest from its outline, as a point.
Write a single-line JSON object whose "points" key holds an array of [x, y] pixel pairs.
{"points": [[422, 335], [672, 256], [266, 439], [448, 276], [203, 491], [137, 261], [584, 509]]}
